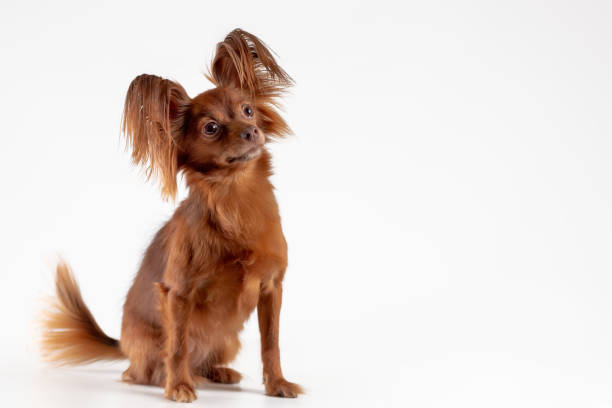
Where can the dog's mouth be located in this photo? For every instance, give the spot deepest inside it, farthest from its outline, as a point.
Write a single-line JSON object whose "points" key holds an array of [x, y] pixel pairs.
{"points": [[249, 155]]}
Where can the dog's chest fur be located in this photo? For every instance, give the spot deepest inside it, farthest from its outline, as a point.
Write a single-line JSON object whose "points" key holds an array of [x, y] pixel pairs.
{"points": [[239, 248]]}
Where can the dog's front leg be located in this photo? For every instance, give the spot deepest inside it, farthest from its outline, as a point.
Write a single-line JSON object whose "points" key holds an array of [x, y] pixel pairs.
{"points": [[176, 308], [268, 313]]}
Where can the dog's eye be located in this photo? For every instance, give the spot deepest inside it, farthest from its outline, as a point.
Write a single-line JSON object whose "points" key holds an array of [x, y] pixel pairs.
{"points": [[247, 110], [210, 129]]}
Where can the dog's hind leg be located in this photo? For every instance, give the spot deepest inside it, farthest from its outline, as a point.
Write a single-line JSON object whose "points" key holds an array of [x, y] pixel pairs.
{"points": [[213, 368], [141, 343]]}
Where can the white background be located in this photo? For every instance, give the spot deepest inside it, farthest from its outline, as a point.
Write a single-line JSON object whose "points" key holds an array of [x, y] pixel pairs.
{"points": [[446, 199]]}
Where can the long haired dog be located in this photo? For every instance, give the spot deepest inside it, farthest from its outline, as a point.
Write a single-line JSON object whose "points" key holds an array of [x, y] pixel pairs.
{"points": [[223, 251]]}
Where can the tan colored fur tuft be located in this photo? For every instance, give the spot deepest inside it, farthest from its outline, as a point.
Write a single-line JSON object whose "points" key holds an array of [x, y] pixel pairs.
{"points": [[70, 334]]}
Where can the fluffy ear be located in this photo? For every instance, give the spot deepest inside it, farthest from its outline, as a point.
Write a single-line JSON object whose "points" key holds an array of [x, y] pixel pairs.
{"points": [[270, 121], [153, 119], [244, 61]]}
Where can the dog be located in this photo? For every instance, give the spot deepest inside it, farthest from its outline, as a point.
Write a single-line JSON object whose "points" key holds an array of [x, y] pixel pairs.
{"points": [[221, 255]]}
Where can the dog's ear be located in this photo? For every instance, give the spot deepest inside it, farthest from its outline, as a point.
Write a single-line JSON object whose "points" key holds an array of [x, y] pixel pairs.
{"points": [[242, 60], [153, 119]]}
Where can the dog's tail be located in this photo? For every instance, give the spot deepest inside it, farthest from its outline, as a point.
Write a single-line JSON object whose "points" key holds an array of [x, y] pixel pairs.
{"points": [[70, 334]]}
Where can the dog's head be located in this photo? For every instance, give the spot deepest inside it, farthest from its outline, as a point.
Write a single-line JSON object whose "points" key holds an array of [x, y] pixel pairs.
{"points": [[221, 130]]}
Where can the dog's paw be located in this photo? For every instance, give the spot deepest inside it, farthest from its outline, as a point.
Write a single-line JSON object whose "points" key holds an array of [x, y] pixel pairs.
{"points": [[181, 393], [224, 375], [282, 388], [127, 376]]}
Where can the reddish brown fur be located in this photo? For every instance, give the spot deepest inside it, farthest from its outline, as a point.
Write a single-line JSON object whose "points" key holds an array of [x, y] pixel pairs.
{"points": [[221, 254]]}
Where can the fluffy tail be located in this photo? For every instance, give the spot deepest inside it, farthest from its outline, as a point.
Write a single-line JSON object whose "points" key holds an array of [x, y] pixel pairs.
{"points": [[70, 334]]}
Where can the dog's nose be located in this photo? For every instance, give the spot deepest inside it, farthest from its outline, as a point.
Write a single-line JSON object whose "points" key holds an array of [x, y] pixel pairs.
{"points": [[250, 134]]}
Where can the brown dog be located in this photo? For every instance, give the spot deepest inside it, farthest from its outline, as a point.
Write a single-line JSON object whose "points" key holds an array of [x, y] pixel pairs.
{"points": [[223, 251]]}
